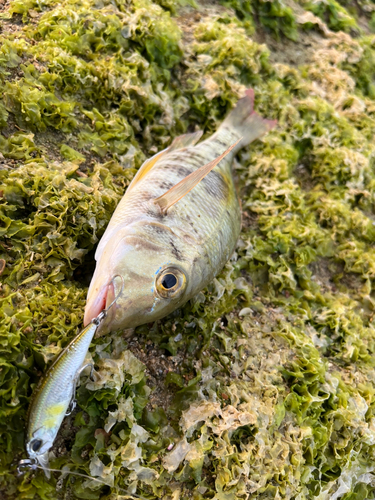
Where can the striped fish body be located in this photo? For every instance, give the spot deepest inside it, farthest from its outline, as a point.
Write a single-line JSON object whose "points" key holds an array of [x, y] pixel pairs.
{"points": [[168, 256], [53, 395]]}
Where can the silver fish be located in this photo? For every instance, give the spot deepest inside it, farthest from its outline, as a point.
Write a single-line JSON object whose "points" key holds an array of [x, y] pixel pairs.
{"points": [[176, 226]]}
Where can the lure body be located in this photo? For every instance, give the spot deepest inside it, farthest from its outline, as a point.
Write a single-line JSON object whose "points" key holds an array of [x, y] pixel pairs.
{"points": [[170, 235], [53, 395]]}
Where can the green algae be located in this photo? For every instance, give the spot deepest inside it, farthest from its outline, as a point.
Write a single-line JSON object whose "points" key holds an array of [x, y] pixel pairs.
{"points": [[333, 14], [272, 396], [274, 16]]}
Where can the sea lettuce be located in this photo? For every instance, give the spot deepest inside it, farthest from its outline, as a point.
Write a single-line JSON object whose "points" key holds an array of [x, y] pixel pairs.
{"points": [[261, 386]]}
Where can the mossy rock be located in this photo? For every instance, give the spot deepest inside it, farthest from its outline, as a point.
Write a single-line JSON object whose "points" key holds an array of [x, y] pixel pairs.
{"points": [[262, 385]]}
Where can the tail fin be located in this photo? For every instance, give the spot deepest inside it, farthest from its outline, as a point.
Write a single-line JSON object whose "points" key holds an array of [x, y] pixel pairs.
{"points": [[244, 122]]}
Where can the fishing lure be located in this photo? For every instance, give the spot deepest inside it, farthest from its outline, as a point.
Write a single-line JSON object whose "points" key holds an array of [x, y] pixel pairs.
{"points": [[176, 226], [56, 392]]}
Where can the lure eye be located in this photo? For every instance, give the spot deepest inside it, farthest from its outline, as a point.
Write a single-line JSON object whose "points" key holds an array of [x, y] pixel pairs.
{"points": [[170, 282], [36, 444]]}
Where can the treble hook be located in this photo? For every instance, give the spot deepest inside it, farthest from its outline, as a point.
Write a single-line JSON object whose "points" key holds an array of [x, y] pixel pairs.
{"points": [[73, 402], [104, 313], [27, 463]]}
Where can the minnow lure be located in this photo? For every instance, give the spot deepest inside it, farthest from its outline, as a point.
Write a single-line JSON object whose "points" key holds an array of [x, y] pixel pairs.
{"points": [[176, 226], [55, 392]]}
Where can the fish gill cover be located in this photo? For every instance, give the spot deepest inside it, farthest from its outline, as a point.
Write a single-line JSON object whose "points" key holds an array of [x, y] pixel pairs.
{"points": [[263, 385]]}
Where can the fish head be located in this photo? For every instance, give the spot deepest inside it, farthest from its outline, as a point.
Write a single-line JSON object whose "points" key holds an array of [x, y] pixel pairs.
{"points": [[153, 283], [38, 445]]}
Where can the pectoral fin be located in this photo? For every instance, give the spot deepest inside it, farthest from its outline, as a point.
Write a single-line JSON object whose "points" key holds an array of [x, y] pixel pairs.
{"points": [[178, 191]]}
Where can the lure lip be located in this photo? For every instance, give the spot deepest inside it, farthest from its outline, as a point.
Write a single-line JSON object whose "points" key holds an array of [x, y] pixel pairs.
{"points": [[44, 463]]}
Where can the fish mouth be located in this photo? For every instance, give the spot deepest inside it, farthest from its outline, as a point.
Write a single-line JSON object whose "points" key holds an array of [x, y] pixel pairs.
{"points": [[98, 301]]}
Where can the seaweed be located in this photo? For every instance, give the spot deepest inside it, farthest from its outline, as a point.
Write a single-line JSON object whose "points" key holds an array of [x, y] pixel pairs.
{"points": [[275, 16], [261, 386], [335, 15]]}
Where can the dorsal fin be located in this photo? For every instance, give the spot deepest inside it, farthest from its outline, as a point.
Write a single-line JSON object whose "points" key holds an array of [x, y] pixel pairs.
{"points": [[146, 167], [178, 191], [182, 141]]}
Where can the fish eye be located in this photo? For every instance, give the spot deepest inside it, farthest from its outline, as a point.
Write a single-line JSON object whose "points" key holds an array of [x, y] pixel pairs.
{"points": [[170, 282], [36, 444]]}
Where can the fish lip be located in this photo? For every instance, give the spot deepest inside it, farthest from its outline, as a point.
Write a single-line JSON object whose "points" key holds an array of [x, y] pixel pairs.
{"points": [[105, 300], [110, 301], [96, 304]]}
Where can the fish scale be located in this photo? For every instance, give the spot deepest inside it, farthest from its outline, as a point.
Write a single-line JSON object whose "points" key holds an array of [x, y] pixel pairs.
{"points": [[199, 213], [179, 219]]}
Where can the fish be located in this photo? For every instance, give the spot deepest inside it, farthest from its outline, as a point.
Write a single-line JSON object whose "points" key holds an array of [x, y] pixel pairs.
{"points": [[55, 393], [176, 225]]}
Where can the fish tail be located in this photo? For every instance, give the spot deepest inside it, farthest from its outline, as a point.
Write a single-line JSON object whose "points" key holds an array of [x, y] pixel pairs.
{"points": [[244, 122]]}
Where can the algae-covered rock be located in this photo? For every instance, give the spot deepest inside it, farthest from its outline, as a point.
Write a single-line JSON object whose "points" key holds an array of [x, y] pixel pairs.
{"points": [[261, 386]]}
